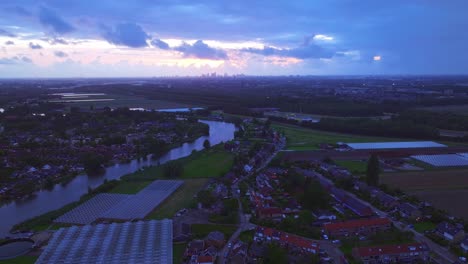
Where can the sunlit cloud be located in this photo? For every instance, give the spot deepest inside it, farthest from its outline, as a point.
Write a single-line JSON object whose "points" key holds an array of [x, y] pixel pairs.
{"points": [[377, 58], [321, 37]]}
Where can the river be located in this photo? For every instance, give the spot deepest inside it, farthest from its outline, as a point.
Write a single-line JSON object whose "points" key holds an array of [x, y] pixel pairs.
{"points": [[45, 201]]}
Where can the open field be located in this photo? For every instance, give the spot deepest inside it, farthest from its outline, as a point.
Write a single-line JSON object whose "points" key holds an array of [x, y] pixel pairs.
{"points": [[178, 252], [203, 164], [427, 180], [356, 167], [451, 200], [129, 187], [458, 109], [20, 260], [299, 138], [182, 198]]}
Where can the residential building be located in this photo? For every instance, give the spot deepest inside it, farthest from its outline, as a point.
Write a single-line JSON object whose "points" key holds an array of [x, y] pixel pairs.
{"points": [[410, 211], [450, 232], [406, 253], [290, 241], [464, 245], [359, 227]]}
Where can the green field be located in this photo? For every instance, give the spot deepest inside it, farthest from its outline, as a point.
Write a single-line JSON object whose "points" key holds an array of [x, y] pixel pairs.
{"points": [[203, 164], [299, 138], [458, 109], [201, 230], [424, 226], [354, 166], [182, 198], [130, 187], [20, 260], [178, 252]]}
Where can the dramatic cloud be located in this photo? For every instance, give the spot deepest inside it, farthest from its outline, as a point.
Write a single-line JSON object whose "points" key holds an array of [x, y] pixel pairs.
{"points": [[311, 51], [160, 44], [6, 33], [127, 34], [201, 50], [60, 54], [52, 20], [9, 42], [15, 60]]}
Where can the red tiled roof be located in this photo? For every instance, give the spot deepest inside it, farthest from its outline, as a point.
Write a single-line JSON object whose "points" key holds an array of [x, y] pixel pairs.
{"points": [[270, 210], [205, 259], [357, 223], [390, 249]]}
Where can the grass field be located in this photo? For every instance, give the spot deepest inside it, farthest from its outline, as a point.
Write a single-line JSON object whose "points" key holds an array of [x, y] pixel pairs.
{"points": [[427, 180], [458, 109], [354, 166], [453, 201], [129, 187], [202, 164], [182, 198], [299, 138], [178, 252], [201, 230], [421, 227], [20, 260]]}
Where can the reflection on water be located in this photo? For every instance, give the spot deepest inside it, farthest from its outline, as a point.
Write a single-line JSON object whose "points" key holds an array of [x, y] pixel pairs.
{"points": [[62, 194]]}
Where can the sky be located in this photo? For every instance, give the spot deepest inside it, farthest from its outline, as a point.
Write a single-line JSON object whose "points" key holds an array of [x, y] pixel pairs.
{"points": [[145, 38]]}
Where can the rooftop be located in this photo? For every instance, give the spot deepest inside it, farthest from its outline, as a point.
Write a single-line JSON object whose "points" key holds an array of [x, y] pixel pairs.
{"points": [[396, 145], [391, 249], [351, 224], [137, 242]]}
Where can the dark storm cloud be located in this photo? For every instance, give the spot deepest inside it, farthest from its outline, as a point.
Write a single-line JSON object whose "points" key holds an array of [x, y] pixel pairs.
{"points": [[34, 46], [60, 54], [9, 42], [6, 33], [201, 50], [160, 44], [54, 21], [126, 34]]}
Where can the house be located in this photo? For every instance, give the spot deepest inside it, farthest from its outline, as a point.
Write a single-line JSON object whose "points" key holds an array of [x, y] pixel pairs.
{"points": [[269, 212], [205, 260], [450, 232], [215, 239], [464, 245], [357, 206], [406, 253], [324, 215], [408, 210], [384, 199], [359, 226], [238, 254], [286, 240], [257, 250], [194, 248]]}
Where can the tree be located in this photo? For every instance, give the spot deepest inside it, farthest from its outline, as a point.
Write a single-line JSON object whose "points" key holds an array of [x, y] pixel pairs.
{"points": [[276, 255], [373, 170], [206, 144], [173, 170], [315, 196], [206, 198]]}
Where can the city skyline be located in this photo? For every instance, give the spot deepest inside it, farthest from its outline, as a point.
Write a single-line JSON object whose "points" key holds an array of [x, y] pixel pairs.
{"points": [[168, 38]]}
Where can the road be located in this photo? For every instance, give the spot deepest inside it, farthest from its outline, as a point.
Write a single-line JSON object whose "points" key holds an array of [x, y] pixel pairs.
{"points": [[445, 254]]}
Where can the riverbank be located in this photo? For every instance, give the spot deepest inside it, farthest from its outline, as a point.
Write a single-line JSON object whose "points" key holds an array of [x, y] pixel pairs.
{"points": [[208, 163]]}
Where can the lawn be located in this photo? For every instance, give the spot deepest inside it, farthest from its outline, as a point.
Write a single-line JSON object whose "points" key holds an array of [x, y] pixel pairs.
{"points": [[130, 187], [421, 227], [354, 166], [178, 252], [201, 230], [20, 260], [299, 138], [203, 164], [182, 198]]}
